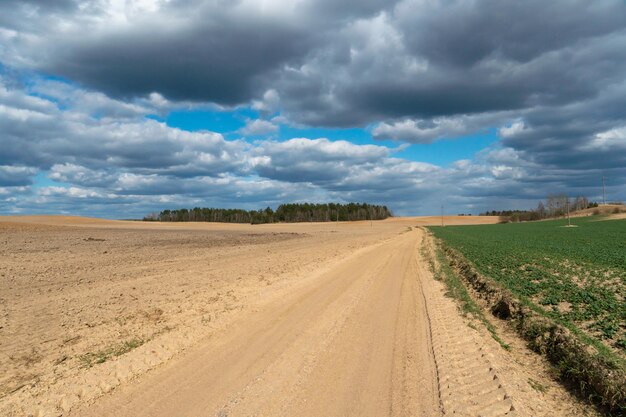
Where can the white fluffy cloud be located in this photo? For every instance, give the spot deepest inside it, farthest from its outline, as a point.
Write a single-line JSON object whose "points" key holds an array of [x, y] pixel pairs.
{"points": [[515, 128], [422, 131], [613, 139], [270, 102], [258, 127]]}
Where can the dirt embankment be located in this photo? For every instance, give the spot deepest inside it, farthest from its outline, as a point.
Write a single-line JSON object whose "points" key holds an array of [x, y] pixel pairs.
{"points": [[599, 376], [612, 210]]}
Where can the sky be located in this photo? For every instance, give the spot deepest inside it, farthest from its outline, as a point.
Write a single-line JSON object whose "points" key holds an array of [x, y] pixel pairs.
{"points": [[117, 109]]}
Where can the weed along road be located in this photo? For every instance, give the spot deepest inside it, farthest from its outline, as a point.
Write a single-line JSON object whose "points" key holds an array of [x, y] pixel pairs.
{"points": [[289, 320]]}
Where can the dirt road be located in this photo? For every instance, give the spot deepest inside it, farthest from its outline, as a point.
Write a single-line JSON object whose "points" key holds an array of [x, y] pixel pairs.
{"points": [[332, 320], [356, 342]]}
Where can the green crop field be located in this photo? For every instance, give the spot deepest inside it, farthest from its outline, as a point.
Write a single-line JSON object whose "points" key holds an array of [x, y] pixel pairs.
{"points": [[575, 275]]}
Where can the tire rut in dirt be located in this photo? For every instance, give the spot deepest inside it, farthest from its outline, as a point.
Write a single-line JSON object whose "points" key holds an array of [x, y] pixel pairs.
{"points": [[468, 383]]}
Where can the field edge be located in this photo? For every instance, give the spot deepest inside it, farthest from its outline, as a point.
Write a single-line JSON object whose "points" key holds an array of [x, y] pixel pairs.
{"points": [[599, 375]]}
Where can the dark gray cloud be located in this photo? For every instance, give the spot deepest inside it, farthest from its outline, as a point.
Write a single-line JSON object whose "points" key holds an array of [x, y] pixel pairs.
{"points": [[21, 13], [462, 34], [583, 135], [337, 63], [334, 63], [215, 61], [15, 176], [205, 51]]}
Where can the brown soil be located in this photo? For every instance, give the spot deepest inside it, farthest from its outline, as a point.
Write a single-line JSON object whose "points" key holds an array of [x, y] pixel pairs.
{"points": [[618, 216], [617, 210], [111, 318]]}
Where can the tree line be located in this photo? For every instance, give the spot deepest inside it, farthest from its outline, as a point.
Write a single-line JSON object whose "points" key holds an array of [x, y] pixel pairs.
{"points": [[556, 205], [288, 213]]}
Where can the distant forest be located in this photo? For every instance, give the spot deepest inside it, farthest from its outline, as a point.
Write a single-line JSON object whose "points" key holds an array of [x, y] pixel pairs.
{"points": [[554, 206], [288, 213]]}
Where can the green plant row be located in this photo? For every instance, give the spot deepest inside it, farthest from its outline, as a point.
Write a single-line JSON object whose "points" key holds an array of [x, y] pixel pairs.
{"points": [[574, 275]]}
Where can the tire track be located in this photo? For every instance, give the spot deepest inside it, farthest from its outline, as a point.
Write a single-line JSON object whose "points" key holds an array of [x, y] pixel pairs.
{"points": [[468, 383]]}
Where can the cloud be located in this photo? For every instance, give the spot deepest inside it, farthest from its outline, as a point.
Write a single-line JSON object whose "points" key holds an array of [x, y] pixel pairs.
{"points": [[318, 161], [269, 104], [430, 130], [84, 87], [89, 102], [38, 133], [514, 129], [16, 176], [258, 127], [354, 63], [575, 135], [613, 139], [221, 48], [127, 164]]}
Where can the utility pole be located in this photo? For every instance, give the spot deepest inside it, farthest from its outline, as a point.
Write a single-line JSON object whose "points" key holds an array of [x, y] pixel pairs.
{"points": [[603, 193], [569, 223], [442, 215]]}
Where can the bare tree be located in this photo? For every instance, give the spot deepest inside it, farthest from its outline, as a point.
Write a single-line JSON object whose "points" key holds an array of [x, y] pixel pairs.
{"points": [[541, 210]]}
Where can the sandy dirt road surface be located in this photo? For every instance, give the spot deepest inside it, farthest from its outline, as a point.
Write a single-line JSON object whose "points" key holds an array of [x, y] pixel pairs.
{"points": [[104, 318]]}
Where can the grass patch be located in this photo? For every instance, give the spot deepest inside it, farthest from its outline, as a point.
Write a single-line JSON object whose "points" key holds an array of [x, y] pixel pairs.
{"points": [[456, 290], [93, 358], [537, 386]]}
